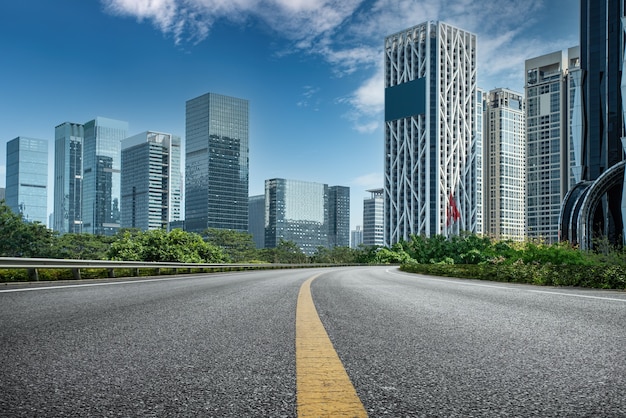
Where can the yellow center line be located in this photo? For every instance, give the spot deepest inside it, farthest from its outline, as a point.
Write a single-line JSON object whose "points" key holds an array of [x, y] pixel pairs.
{"points": [[323, 386]]}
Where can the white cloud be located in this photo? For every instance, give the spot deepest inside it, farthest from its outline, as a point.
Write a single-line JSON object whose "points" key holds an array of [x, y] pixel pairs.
{"points": [[368, 181], [349, 34]]}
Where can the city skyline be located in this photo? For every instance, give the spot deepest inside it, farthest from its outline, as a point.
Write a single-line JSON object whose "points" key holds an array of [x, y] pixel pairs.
{"points": [[312, 71]]}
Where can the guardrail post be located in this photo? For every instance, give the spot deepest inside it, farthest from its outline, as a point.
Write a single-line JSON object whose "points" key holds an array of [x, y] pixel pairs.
{"points": [[33, 274], [111, 273], [76, 274]]}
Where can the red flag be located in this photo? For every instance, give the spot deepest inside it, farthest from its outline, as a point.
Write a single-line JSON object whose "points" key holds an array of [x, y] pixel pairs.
{"points": [[453, 211]]}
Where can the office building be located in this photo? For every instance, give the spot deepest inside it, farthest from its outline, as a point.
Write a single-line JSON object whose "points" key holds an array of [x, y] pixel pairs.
{"points": [[68, 177], [504, 175], [338, 216], [216, 167], [481, 104], [296, 211], [595, 207], [101, 175], [356, 237], [151, 181], [256, 219], [27, 178], [549, 143], [430, 114], [373, 218]]}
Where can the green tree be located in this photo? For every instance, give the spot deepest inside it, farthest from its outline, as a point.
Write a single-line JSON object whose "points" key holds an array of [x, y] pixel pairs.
{"points": [[286, 252], [159, 245], [21, 238], [366, 254], [82, 246], [238, 246]]}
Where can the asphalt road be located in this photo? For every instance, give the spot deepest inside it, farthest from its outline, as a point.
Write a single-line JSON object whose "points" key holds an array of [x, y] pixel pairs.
{"points": [[224, 345]]}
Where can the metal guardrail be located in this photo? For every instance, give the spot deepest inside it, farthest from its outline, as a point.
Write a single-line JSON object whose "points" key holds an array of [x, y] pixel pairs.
{"points": [[35, 264]]}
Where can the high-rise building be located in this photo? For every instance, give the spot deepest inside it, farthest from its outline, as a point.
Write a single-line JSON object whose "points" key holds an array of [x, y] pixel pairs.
{"points": [[430, 114], [296, 211], [151, 181], [481, 104], [216, 167], [504, 179], [596, 206], [68, 177], [256, 219], [101, 175], [27, 178], [356, 237], [373, 218], [549, 120], [339, 216]]}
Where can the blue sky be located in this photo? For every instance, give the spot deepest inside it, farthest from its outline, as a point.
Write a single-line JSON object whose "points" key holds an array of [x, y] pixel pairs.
{"points": [[311, 69]]}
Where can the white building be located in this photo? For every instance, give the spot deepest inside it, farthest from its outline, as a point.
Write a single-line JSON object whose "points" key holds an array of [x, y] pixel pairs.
{"points": [[504, 179], [430, 150], [373, 218], [551, 148]]}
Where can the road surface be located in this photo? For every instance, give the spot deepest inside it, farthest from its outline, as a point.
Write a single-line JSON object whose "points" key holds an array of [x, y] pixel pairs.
{"points": [[246, 344]]}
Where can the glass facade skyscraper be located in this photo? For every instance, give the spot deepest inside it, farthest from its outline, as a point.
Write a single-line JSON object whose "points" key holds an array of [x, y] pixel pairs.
{"points": [[596, 206], [256, 222], [296, 211], [430, 115], [339, 216], [151, 181], [217, 164], [27, 178], [68, 177], [101, 175]]}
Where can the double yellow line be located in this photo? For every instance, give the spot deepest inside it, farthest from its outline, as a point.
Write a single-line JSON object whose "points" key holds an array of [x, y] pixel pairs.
{"points": [[323, 386]]}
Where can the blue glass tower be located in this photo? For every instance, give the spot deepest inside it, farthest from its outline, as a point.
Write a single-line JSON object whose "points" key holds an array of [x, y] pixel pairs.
{"points": [[27, 178], [68, 175], [339, 216], [296, 211], [101, 175], [216, 167]]}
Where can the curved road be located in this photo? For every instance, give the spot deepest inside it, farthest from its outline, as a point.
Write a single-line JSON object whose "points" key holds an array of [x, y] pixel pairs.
{"points": [[226, 345]]}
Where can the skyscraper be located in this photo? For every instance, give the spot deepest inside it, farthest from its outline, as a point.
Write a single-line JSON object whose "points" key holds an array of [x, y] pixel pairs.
{"points": [[548, 135], [151, 181], [68, 177], [27, 178], [356, 237], [503, 168], [101, 175], [296, 211], [596, 206], [373, 218], [216, 168], [339, 216], [430, 112], [256, 219], [481, 104]]}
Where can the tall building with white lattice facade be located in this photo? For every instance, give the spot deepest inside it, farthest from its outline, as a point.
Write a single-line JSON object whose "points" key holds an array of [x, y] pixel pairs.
{"points": [[430, 136]]}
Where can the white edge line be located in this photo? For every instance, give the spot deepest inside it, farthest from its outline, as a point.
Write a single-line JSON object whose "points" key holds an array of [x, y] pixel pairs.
{"points": [[509, 287], [26, 289]]}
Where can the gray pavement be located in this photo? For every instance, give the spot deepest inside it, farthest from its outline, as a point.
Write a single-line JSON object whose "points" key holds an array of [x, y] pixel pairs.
{"points": [[222, 345]]}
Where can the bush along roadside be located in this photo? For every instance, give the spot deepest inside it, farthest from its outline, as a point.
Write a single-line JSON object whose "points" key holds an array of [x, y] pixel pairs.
{"points": [[602, 276]]}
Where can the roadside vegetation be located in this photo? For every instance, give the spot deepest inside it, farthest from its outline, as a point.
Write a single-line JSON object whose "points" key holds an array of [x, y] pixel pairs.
{"points": [[468, 255]]}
